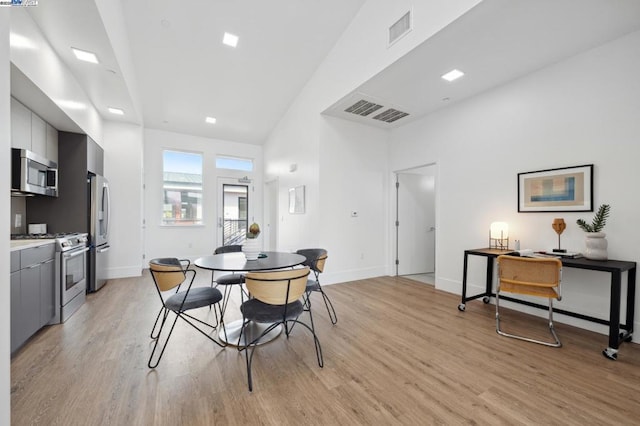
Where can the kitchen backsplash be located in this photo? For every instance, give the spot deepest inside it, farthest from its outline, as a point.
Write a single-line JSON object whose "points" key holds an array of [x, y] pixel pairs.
{"points": [[18, 207]]}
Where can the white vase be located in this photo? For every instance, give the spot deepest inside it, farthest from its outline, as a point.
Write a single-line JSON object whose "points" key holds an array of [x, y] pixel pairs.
{"points": [[251, 248], [596, 246]]}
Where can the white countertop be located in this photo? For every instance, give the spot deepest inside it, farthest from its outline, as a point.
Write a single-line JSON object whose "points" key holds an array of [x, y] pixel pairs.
{"points": [[23, 244]]}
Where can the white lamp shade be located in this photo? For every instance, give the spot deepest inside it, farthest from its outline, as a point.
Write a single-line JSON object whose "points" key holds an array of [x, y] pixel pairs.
{"points": [[499, 230]]}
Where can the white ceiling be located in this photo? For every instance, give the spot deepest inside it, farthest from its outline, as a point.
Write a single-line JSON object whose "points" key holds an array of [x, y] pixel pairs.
{"points": [[495, 42], [182, 72]]}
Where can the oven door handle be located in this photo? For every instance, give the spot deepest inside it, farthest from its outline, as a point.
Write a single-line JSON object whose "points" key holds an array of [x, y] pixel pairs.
{"points": [[75, 253]]}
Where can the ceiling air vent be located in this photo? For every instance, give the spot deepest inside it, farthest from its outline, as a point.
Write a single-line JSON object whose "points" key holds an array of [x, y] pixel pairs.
{"points": [[401, 27], [363, 108], [390, 115]]}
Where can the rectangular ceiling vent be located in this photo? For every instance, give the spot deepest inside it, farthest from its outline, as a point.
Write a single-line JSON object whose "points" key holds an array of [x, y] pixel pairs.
{"points": [[363, 108], [390, 115], [400, 28]]}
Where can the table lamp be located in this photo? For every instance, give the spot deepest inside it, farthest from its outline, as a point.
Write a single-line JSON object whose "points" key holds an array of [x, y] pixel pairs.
{"points": [[559, 226], [499, 235]]}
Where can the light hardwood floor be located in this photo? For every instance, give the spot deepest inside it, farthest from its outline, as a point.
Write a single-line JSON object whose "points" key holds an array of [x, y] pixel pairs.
{"points": [[401, 353]]}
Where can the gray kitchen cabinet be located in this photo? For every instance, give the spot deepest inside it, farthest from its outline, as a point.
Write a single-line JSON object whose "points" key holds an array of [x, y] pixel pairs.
{"points": [[29, 131], [32, 292], [30, 300], [20, 125], [47, 292], [52, 143], [38, 135], [17, 335]]}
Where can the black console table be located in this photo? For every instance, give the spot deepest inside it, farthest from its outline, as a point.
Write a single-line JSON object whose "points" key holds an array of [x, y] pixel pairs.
{"points": [[614, 267]]}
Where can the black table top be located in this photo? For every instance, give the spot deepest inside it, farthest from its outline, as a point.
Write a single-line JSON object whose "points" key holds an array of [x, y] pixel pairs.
{"points": [[579, 263], [237, 262]]}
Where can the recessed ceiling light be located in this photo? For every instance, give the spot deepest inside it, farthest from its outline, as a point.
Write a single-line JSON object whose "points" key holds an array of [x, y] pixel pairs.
{"points": [[83, 55], [453, 75], [71, 104], [210, 120], [230, 39], [116, 111], [20, 42]]}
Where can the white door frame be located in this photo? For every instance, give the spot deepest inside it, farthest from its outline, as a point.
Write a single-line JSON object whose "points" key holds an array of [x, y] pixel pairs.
{"points": [[397, 205], [221, 181], [271, 214]]}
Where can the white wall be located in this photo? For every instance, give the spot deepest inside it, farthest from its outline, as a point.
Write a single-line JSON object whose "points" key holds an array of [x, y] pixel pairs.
{"points": [[352, 166], [353, 177], [123, 164], [193, 241], [5, 166], [583, 110]]}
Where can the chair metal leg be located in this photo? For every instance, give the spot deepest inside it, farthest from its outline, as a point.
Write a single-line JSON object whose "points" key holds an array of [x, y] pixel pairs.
{"points": [[151, 364], [327, 303], [555, 344], [162, 310]]}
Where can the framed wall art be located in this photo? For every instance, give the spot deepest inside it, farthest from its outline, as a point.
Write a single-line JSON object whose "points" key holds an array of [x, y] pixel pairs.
{"points": [[568, 189], [296, 200]]}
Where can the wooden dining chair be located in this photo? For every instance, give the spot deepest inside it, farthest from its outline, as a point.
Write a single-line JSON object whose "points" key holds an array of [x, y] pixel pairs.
{"points": [[540, 277], [276, 301], [169, 276]]}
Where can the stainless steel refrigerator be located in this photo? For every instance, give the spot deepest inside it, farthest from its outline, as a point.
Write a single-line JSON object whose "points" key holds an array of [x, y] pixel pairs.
{"points": [[100, 210]]}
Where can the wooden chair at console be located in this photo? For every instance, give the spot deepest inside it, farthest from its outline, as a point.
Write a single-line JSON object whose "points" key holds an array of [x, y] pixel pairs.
{"points": [[276, 301], [538, 277]]}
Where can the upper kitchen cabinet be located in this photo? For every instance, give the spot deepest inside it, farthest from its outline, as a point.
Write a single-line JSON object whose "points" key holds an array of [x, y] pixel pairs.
{"points": [[29, 131], [52, 143], [20, 125], [38, 136]]}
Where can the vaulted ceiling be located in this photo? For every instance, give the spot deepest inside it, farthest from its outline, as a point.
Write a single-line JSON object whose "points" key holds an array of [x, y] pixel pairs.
{"points": [[175, 71]]}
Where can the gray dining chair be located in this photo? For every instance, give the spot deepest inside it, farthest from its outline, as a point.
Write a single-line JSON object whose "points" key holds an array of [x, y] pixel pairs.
{"points": [[170, 275], [315, 259], [276, 301]]}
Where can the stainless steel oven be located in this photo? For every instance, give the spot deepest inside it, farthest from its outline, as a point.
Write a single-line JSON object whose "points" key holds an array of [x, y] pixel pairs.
{"points": [[71, 274]]}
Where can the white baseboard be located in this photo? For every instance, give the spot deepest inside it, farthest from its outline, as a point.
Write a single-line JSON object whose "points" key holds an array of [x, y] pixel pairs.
{"points": [[124, 272]]}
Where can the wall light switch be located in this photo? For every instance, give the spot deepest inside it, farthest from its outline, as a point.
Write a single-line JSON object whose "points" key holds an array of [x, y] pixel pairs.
{"points": [[354, 213], [18, 221]]}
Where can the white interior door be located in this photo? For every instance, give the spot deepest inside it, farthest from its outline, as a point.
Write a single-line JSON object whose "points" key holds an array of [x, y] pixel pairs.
{"points": [[416, 221]]}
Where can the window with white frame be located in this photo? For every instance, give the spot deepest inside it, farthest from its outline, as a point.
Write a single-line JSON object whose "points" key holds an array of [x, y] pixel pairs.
{"points": [[234, 163], [182, 187]]}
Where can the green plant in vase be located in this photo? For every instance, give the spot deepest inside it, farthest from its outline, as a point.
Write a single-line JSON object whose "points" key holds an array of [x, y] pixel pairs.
{"points": [[254, 230], [599, 220], [595, 240], [251, 246]]}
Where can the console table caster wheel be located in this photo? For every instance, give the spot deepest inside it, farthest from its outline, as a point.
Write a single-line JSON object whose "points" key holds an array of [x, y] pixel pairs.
{"points": [[626, 337], [461, 307], [610, 353], [486, 299]]}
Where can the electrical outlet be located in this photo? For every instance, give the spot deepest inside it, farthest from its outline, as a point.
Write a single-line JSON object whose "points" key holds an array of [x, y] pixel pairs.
{"points": [[18, 221]]}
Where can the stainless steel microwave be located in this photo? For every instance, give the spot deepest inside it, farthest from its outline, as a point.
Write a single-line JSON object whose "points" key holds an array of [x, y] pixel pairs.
{"points": [[33, 174]]}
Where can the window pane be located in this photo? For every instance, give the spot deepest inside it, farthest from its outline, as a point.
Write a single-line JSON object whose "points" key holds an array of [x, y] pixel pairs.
{"points": [[182, 185], [234, 163]]}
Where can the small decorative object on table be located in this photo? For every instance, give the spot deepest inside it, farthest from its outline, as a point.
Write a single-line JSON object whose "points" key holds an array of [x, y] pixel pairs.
{"points": [[251, 246], [559, 226], [499, 235], [595, 240]]}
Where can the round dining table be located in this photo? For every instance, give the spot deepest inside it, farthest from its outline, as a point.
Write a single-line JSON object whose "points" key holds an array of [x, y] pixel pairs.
{"points": [[237, 262]]}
